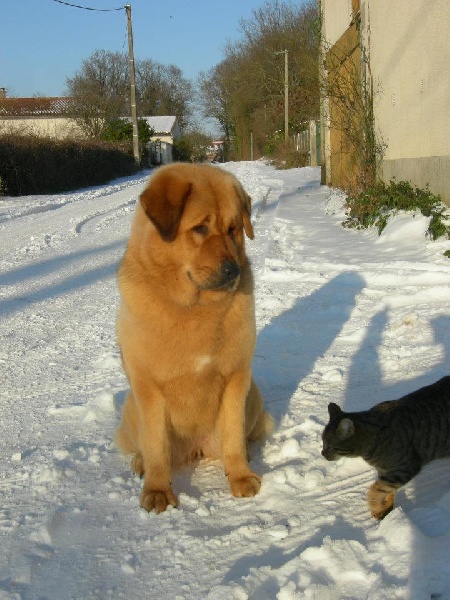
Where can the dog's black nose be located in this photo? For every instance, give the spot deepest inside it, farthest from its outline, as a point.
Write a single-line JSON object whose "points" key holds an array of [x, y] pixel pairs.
{"points": [[230, 271]]}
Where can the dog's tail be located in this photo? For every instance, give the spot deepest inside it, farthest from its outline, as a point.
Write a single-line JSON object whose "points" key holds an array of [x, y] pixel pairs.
{"points": [[263, 427], [259, 423]]}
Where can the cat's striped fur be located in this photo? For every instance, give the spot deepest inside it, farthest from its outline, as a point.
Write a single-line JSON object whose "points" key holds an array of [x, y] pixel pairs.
{"points": [[397, 437]]}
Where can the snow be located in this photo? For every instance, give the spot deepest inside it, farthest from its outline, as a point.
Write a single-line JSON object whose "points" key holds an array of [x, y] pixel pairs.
{"points": [[342, 315], [164, 125]]}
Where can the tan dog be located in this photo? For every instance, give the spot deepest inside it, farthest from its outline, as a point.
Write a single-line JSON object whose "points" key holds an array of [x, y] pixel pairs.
{"points": [[186, 330]]}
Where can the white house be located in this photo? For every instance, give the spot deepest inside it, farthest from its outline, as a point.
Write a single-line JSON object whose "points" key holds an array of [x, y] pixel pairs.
{"points": [[166, 131]]}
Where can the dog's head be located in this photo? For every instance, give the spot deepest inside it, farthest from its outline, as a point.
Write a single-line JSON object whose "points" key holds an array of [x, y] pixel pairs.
{"points": [[200, 214]]}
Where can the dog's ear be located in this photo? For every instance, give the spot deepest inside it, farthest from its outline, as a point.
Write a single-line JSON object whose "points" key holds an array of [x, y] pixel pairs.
{"points": [[164, 200], [246, 207]]}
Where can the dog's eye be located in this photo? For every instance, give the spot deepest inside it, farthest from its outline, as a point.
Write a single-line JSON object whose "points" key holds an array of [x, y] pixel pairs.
{"points": [[231, 230], [201, 229]]}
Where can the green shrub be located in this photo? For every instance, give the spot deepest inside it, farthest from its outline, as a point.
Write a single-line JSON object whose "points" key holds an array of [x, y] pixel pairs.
{"points": [[121, 130], [376, 204], [182, 150], [191, 147], [34, 165]]}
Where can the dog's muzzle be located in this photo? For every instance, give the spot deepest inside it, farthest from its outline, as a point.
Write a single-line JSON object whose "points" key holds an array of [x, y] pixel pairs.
{"points": [[227, 279], [230, 272]]}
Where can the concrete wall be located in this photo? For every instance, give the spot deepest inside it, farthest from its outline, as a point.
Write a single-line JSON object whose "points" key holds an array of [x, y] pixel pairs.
{"points": [[432, 170]]}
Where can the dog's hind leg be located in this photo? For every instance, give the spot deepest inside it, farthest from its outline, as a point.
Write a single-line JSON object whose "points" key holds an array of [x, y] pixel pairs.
{"points": [[127, 432]]}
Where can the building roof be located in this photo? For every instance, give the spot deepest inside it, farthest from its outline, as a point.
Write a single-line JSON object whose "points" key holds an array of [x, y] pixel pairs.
{"points": [[34, 107], [60, 106], [161, 125]]}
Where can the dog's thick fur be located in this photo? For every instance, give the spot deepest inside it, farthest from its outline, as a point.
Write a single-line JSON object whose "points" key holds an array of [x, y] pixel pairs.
{"points": [[186, 330]]}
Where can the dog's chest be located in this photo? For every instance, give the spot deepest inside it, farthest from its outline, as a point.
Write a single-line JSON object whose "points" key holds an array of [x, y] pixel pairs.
{"points": [[202, 362], [194, 401], [198, 368], [200, 349]]}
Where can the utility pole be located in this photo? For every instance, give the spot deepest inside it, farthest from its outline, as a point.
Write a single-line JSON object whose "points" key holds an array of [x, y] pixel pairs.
{"points": [[286, 97], [286, 94], [132, 86]]}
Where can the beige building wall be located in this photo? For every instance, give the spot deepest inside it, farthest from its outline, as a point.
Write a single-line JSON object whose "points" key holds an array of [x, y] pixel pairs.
{"points": [[56, 128], [409, 53], [167, 139], [337, 15]]}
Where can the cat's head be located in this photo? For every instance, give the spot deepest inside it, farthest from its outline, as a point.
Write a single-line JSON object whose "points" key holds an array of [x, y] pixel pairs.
{"points": [[338, 435]]}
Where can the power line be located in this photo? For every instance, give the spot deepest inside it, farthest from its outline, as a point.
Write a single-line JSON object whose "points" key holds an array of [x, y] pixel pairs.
{"points": [[127, 8], [88, 7]]}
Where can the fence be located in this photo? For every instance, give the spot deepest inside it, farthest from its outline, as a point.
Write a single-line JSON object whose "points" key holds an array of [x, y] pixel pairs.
{"points": [[307, 141]]}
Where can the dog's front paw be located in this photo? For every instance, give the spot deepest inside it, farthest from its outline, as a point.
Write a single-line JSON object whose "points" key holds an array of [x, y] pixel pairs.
{"points": [[157, 500], [245, 487]]}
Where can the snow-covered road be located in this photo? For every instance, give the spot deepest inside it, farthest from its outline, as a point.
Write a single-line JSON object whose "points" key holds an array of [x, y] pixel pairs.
{"points": [[342, 315]]}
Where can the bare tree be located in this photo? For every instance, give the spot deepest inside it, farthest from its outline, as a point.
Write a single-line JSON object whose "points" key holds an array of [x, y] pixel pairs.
{"points": [[100, 91], [163, 90], [245, 92]]}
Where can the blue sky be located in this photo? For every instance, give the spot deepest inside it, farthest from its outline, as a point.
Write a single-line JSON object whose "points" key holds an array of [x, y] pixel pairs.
{"points": [[43, 42]]}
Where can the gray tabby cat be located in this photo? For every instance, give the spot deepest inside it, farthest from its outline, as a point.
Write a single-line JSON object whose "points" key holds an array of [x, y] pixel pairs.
{"points": [[397, 437]]}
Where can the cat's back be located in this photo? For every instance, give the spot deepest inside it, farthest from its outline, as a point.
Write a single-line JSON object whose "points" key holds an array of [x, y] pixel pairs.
{"points": [[431, 398], [434, 398], [421, 417]]}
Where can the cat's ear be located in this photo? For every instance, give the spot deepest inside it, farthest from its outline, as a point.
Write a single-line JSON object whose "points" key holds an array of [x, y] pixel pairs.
{"points": [[345, 429], [334, 410]]}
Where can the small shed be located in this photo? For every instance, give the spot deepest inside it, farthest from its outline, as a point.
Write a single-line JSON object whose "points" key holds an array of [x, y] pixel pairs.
{"points": [[166, 131]]}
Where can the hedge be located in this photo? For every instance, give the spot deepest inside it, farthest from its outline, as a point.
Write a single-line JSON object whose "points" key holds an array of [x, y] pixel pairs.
{"points": [[33, 165]]}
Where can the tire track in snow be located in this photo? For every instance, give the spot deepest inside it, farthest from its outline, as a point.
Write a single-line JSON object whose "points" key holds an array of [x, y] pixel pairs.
{"points": [[39, 232], [103, 218]]}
